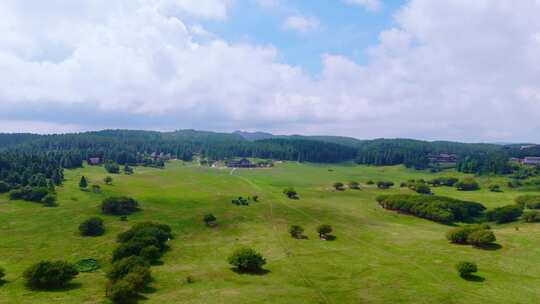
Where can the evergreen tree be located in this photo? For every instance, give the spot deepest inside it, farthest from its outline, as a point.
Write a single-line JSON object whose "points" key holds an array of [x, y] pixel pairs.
{"points": [[83, 184]]}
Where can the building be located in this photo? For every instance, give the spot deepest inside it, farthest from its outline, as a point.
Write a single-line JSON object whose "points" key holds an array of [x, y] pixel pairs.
{"points": [[531, 161], [243, 163], [94, 161], [443, 158]]}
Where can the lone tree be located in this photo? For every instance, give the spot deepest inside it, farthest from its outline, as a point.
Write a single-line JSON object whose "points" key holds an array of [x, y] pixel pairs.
{"points": [[50, 275], [210, 220], [296, 231], [465, 269], [92, 227], [247, 260], [108, 180], [83, 183], [290, 193], [119, 205], [323, 230]]}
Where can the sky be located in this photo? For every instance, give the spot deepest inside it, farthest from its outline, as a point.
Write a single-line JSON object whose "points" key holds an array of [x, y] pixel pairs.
{"points": [[448, 69]]}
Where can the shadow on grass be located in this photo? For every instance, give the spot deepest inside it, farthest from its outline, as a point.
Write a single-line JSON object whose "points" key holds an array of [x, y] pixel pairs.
{"points": [[67, 287], [489, 247], [259, 272], [330, 237], [473, 278]]}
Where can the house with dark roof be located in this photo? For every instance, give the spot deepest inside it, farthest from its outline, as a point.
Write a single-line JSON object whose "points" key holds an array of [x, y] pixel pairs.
{"points": [[243, 163]]}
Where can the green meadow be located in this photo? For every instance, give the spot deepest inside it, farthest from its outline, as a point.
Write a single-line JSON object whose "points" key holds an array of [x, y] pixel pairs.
{"points": [[378, 256]]}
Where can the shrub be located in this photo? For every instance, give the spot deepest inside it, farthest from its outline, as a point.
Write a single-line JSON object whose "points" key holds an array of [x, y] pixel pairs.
{"points": [[323, 230], [290, 193], [121, 291], [83, 183], [209, 219], [467, 184], [108, 180], [49, 275], [495, 188], [49, 200], [482, 237], [92, 227], [528, 201], [139, 277], [112, 168], [443, 181], [4, 187], [247, 259], [505, 214], [460, 235], [240, 201], [370, 182], [354, 185], [296, 231], [531, 217], [119, 205], [161, 232], [339, 186], [150, 253], [436, 208], [384, 184], [124, 266], [2, 273], [422, 188], [466, 268]]}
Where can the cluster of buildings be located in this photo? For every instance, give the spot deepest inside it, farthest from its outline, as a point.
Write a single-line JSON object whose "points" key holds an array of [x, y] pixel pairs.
{"points": [[246, 163], [443, 158], [528, 160]]}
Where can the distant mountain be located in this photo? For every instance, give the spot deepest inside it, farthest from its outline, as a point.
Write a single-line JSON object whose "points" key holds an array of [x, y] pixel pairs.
{"points": [[253, 136]]}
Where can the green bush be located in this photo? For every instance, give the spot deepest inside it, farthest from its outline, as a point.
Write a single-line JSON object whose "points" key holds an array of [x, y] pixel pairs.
{"points": [[92, 227], [150, 253], [296, 231], [384, 184], [466, 268], [354, 185], [124, 266], [531, 217], [209, 219], [495, 188], [247, 260], [460, 235], [505, 214], [436, 208], [443, 181], [528, 201], [2, 273], [370, 182], [50, 275], [290, 193], [121, 291], [49, 200], [467, 184], [323, 230], [139, 277], [481, 238], [339, 186], [119, 205], [422, 188], [112, 168], [4, 187]]}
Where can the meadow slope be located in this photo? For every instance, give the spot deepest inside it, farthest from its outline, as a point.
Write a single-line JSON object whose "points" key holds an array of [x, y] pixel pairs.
{"points": [[378, 256]]}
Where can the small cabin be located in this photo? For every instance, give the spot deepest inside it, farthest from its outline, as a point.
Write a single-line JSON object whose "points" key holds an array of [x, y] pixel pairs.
{"points": [[94, 161], [243, 163]]}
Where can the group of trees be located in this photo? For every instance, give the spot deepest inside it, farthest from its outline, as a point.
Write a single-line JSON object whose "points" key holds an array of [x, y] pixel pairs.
{"points": [[476, 235], [138, 248], [339, 186], [297, 231], [436, 208]]}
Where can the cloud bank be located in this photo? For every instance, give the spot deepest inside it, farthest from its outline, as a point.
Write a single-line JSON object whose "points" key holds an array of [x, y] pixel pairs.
{"points": [[448, 69]]}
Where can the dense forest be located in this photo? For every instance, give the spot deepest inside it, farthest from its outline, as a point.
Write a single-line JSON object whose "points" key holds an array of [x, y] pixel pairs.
{"points": [[141, 147]]}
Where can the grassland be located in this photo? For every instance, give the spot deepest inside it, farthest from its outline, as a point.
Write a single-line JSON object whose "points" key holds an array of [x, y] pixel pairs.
{"points": [[377, 257]]}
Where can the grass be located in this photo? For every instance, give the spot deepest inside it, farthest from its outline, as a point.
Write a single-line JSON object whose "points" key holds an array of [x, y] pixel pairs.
{"points": [[377, 257]]}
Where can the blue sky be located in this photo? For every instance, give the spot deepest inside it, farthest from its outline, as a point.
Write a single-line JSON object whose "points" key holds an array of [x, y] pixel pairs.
{"points": [[428, 69], [344, 29]]}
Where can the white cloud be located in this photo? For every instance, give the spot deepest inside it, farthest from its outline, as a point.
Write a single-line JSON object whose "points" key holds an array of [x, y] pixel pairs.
{"points": [[371, 5], [449, 69], [301, 24]]}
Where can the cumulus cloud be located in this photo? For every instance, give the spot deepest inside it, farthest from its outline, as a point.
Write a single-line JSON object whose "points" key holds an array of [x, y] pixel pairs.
{"points": [[301, 24], [448, 69]]}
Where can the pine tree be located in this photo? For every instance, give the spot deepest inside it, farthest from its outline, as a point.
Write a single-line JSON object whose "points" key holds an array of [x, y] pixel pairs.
{"points": [[83, 183]]}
